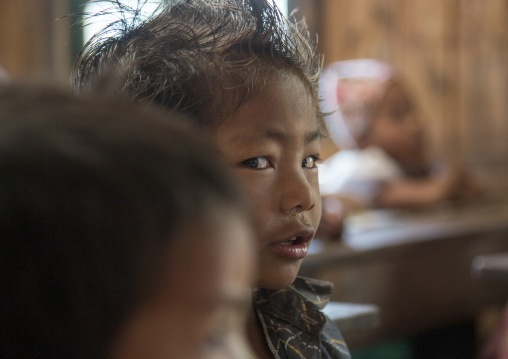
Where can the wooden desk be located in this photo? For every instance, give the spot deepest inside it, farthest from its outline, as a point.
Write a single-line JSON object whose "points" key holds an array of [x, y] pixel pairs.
{"points": [[491, 266], [352, 317], [414, 267]]}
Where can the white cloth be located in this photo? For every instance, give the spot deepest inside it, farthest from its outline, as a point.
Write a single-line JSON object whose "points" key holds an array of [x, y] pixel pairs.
{"points": [[358, 174], [366, 81]]}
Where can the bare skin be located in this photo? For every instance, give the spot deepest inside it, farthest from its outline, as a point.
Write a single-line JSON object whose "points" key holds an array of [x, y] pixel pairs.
{"points": [[273, 142]]}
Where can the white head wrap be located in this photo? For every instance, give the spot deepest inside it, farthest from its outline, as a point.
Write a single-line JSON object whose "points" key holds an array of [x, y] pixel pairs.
{"points": [[350, 90]]}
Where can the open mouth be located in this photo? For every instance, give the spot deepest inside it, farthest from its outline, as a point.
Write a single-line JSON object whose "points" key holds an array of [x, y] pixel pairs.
{"points": [[294, 241], [294, 248]]}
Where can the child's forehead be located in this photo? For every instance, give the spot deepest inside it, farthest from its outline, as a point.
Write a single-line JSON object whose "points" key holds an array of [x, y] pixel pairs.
{"points": [[282, 82], [281, 111]]}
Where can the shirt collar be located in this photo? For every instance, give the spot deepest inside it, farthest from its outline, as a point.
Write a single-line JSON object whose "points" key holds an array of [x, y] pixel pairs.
{"points": [[299, 304]]}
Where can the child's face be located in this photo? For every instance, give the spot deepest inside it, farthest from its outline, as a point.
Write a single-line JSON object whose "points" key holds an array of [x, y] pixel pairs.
{"points": [[201, 307], [396, 127], [273, 142]]}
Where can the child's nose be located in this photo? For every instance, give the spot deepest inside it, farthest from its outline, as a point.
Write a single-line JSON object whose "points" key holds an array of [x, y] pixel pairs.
{"points": [[297, 194]]}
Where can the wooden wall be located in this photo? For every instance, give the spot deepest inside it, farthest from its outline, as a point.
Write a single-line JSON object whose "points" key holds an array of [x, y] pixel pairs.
{"points": [[33, 43], [453, 55]]}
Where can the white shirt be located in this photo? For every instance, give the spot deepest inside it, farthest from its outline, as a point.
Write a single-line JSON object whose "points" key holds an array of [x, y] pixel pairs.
{"points": [[358, 174]]}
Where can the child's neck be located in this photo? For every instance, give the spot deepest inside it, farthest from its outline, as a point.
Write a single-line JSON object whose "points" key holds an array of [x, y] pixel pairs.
{"points": [[257, 338]]}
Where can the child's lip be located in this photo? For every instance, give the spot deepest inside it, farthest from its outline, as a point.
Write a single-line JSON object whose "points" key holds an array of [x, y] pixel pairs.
{"points": [[294, 245]]}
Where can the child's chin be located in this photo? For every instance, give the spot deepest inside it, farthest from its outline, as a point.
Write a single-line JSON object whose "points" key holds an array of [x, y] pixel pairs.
{"points": [[280, 278]]}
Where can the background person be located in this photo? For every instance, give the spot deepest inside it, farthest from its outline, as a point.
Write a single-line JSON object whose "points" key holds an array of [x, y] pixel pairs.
{"points": [[383, 161]]}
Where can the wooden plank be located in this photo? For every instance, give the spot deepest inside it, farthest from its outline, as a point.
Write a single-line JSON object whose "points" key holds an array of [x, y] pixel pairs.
{"points": [[483, 52], [32, 43]]}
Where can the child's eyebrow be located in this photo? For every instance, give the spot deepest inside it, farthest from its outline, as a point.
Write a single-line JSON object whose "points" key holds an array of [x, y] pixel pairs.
{"points": [[283, 136], [313, 136], [274, 134]]}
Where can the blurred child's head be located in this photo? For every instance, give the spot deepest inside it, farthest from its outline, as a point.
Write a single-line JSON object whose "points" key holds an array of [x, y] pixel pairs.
{"points": [[250, 78], [122, 235], [369, 105]]}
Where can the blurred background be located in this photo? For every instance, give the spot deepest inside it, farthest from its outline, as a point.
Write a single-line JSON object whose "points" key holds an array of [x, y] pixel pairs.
{"points": [[452, 54]]}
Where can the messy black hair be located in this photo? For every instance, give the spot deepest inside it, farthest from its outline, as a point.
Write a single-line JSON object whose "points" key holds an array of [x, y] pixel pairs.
{"points": [[93, 194], [203, 57]]}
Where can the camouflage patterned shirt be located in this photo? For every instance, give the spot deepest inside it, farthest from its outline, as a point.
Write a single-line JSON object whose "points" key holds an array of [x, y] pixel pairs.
{"points": [[293, 324]]}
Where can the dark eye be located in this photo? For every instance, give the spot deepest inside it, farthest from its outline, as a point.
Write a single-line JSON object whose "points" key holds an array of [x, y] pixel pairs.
{"points": [[257, 162], [310, 162]]}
